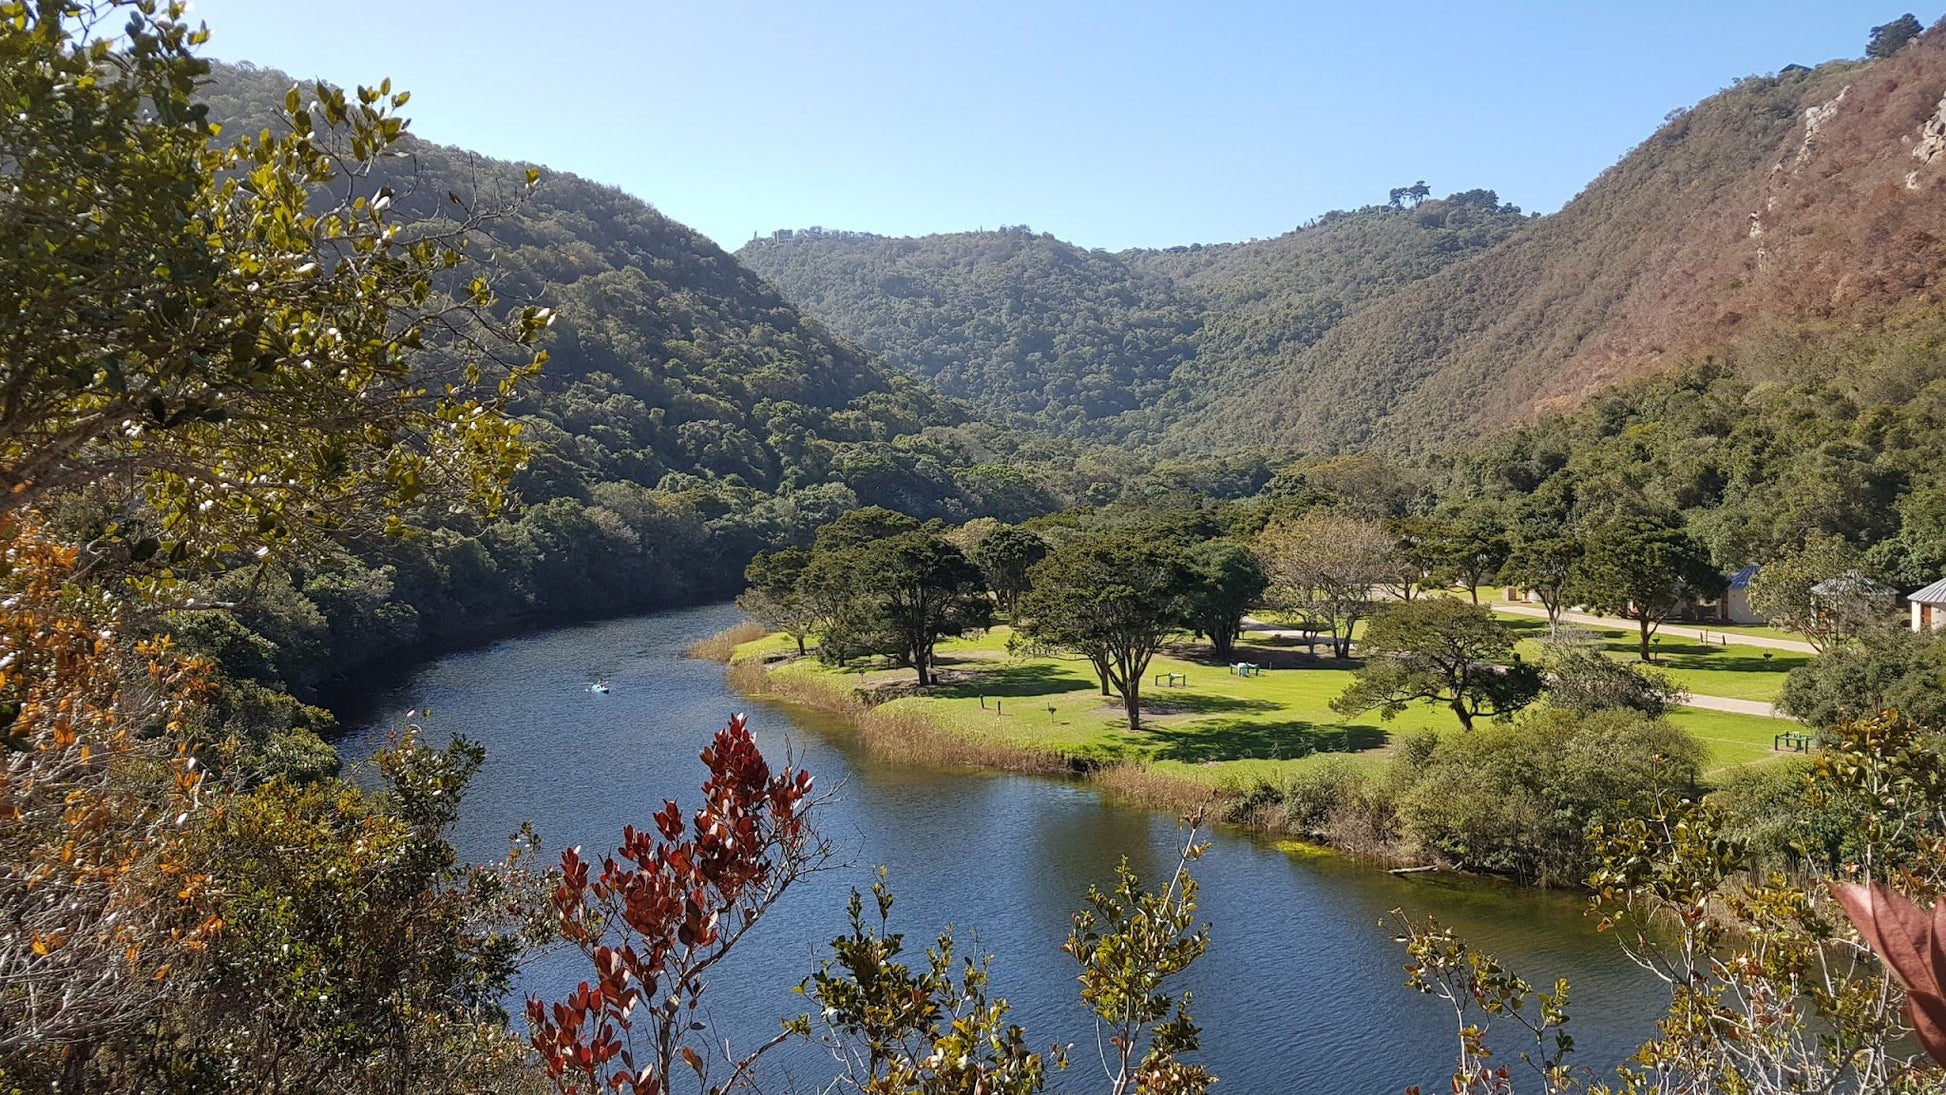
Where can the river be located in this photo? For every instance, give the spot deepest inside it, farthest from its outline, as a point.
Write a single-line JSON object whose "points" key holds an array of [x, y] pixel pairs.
{"points": [[1301, 990]]}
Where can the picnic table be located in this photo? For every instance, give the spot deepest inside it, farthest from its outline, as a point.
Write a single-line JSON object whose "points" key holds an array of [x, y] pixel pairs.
{"points": [[1791, 739], [1172, 680], [1246, 669]]}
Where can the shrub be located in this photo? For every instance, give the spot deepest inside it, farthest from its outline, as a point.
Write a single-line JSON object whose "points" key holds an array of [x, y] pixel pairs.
{"points": [[1518, 799]]}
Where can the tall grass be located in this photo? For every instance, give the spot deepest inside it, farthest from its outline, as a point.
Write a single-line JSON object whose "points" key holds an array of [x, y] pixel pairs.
{"points": [[897, 732], [722, 645]]}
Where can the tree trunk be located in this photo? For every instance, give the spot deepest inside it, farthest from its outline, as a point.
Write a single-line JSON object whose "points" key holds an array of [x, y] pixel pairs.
{"points": [[1132, 702], [1223, 640], [1101, 671], [800, 644], [1643, 624], [1465, 716], [1473, 591]]}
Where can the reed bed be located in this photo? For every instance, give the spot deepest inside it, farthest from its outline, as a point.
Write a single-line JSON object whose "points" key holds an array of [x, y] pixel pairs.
{"points": [[896, 732], [721, 646], [1140, 785]]}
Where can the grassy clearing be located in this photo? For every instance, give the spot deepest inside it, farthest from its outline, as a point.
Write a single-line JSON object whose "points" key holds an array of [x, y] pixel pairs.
{"points": [[1705, 669], [1494, 598], [1217, 731], [1732, 739]]}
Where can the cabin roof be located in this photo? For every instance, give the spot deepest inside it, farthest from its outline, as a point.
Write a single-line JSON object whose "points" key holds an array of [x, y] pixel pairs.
{"points": [[1934, 594]]}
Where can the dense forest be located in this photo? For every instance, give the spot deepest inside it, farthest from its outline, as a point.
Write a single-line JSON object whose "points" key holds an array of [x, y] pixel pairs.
{"points": [[1113, 346]]}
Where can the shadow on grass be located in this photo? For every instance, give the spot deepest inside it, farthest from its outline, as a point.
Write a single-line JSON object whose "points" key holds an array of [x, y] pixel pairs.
{"points": [[1176, 701], [1015, 681], [1240, 739], [1734, 663]]}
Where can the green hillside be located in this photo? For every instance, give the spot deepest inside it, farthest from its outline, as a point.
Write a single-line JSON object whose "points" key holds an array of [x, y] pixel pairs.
{"points": [[1111, 345]]}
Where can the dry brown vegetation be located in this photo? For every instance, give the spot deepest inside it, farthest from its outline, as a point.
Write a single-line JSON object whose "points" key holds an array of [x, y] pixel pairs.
{"points": [[1781, 205], [721, 646]]}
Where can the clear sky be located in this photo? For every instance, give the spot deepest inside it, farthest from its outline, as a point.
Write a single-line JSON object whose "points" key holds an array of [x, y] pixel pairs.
{"points": [[1112, 124]]}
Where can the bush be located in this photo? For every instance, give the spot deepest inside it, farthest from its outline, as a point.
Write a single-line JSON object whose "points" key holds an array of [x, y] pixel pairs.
{"points": [[1518, 799]]}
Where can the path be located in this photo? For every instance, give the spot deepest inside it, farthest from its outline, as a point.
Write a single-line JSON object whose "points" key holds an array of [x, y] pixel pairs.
{"points": [[1735, 707], [1251, 623], [1698, 633]]}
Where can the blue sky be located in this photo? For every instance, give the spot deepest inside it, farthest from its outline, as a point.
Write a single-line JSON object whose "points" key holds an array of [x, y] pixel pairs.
{"points": [[1110, 124]]}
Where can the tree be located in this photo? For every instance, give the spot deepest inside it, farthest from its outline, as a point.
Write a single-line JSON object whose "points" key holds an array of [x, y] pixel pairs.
{"points": [[1544, 562], [656, 916], [1581, 678], [1324, 567], [776, 596], [1645, 569], [858, 527], [1782, 591], [1466, 551], [1112, 597], [1416, 193], [105, 903], [1439, 650], [1890, 37], [919, 589], [1887, 672], [241, 336], [1129, 943], [928, 1032], [1005, 557], [358, 952], [1225, 579]]}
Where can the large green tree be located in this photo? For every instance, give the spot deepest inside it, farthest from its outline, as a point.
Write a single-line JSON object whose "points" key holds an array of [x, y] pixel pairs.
{"points": [[1005, 557], [1439, 650], [776, 594], [1225, 580], [919, 589], [1888, 37], [1644, 568], [1542, 560], [1112, 597], [1817, 590], [1889, 672]]}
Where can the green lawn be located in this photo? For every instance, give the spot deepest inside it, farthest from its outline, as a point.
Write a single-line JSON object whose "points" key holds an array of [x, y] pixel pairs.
{"points": [[1492, 596], [1705, 669], [1732, 739], [1217, 728]]}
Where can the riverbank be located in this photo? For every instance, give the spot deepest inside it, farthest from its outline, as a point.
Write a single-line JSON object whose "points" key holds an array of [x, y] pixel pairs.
{"points": [[1265, 752]]}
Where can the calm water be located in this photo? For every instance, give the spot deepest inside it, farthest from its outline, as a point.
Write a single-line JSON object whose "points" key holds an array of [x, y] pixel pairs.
{"points": [[1301, 991]]}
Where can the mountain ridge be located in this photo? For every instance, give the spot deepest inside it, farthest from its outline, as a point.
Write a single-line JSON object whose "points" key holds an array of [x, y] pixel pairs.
{"points": [[1782, 205]]}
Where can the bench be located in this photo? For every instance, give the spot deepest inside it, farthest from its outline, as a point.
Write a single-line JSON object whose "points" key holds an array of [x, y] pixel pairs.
{"points": [[1172, 680]]}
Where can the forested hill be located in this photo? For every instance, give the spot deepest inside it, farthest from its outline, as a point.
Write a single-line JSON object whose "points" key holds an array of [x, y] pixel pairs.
{"points": [[1014, 321], [1783, 206], [1780, 207], [688, 418], [667, 356], [1111, 345]]}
